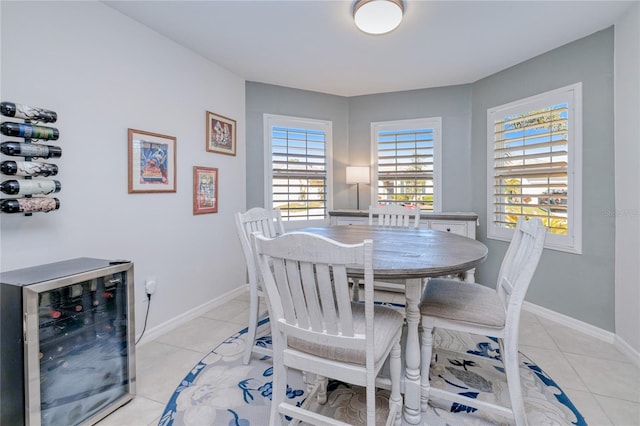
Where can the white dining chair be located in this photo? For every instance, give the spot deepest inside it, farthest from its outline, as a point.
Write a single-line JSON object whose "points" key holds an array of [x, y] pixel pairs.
{"points": [[389, 215], [317, 329], [394, 215], [477, 309], [269, 223]]}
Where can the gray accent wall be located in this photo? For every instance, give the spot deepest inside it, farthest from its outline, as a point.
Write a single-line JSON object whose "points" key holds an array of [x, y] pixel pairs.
{"points": [[452, 103], [579, 286], [268, 99], [352, 118]]}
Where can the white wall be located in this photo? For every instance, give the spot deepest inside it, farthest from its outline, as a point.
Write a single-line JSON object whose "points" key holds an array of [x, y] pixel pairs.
{"points": [[627, 177], [104, 73]]}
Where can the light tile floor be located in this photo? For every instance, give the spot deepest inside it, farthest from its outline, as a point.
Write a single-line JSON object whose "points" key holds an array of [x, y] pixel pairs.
{"points": [[602, 382]]}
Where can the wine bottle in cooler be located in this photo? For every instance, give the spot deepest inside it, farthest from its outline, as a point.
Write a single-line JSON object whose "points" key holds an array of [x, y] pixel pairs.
{"points": [[55, 300], [120, 320], [30, 187], [11, 109], [31, 131], [30, 150], [87, 314], [28, 168], [29, 205]]}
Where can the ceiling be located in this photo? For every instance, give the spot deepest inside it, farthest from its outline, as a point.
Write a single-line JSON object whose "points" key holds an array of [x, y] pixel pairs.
{"points": [[314, 44]]}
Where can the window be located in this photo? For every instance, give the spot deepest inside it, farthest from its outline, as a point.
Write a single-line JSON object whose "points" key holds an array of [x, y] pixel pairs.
{"points": [[406, 155], [298, 170], [535, 166]]}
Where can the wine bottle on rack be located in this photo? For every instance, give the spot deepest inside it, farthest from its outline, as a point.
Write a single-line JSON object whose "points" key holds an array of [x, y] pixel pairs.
{"points": [[26, 130], [30, 150], [30, 187], [26, 112], [28, 168], [29, 205]]}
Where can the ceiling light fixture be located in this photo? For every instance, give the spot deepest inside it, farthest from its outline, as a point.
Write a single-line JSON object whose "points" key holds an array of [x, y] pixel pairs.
{"points": [[377, 16]]}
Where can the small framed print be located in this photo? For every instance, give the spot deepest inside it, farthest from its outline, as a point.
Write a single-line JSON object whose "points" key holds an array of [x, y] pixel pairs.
{"points": [[221, 134], [152, 162], [205, 190]]}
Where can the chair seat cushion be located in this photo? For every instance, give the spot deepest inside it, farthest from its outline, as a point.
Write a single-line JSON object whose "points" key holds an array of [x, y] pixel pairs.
{"points": [[464, 302], [386, 323]]}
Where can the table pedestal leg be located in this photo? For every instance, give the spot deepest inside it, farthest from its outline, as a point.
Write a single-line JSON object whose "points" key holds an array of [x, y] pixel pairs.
{"points": [[470, 275], [412, 413]]}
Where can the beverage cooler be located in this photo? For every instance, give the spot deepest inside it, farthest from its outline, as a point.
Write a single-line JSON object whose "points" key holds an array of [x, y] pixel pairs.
{"points": [[67, 340]]}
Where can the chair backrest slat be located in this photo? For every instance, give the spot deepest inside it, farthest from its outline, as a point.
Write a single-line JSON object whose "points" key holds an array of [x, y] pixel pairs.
{"points": [[311, 308], [394, 215], [293, 287], [327, 314], [285, 308], [343, 300]]}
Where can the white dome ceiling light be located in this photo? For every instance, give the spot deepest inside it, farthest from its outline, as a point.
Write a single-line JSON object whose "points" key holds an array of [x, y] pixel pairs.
{"points": [[378, 16]]}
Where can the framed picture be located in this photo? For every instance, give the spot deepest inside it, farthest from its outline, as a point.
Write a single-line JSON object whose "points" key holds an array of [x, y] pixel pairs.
{"points": [[221, 134], [152, 162], [205, 190]]}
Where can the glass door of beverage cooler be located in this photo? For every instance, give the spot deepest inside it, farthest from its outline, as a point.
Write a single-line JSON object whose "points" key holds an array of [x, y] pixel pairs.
{"points": [[79, 346]]}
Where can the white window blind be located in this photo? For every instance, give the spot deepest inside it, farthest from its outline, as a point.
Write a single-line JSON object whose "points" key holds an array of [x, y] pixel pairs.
{"points": [[534, 150], [299, 172], [406, 162]]}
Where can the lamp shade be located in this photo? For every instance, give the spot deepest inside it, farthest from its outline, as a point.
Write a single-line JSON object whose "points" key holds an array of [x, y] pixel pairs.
{"points": [[358, 174], [377, 16]]}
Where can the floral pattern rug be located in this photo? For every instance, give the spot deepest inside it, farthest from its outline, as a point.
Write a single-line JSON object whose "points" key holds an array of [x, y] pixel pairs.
{"points": [[220, 390]]}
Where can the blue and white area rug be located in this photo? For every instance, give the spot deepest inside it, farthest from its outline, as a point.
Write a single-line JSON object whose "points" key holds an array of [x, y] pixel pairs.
{"points": [[220, 390]]}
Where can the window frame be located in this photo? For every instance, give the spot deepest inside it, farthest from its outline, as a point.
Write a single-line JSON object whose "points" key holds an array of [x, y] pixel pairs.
{"points": [[572, 95], [414, 123], [271, 120]]}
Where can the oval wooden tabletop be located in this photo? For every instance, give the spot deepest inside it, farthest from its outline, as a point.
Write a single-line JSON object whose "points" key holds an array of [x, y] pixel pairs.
{"points": [[410, 252]]}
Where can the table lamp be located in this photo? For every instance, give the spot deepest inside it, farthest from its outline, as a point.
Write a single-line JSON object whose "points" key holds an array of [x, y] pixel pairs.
{"points": [[358, 175]]}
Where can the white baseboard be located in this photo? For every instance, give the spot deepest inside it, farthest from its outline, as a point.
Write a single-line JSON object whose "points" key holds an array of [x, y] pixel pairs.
{"points": [[588, 329], [580, 326], [157, 331], [626, 349]]}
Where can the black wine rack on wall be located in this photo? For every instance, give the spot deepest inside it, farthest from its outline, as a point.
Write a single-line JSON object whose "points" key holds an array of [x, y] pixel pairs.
{"points": [[29, 181]]}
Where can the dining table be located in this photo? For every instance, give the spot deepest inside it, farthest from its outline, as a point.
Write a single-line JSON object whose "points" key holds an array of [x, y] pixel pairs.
{"points": [[409, 255]]}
